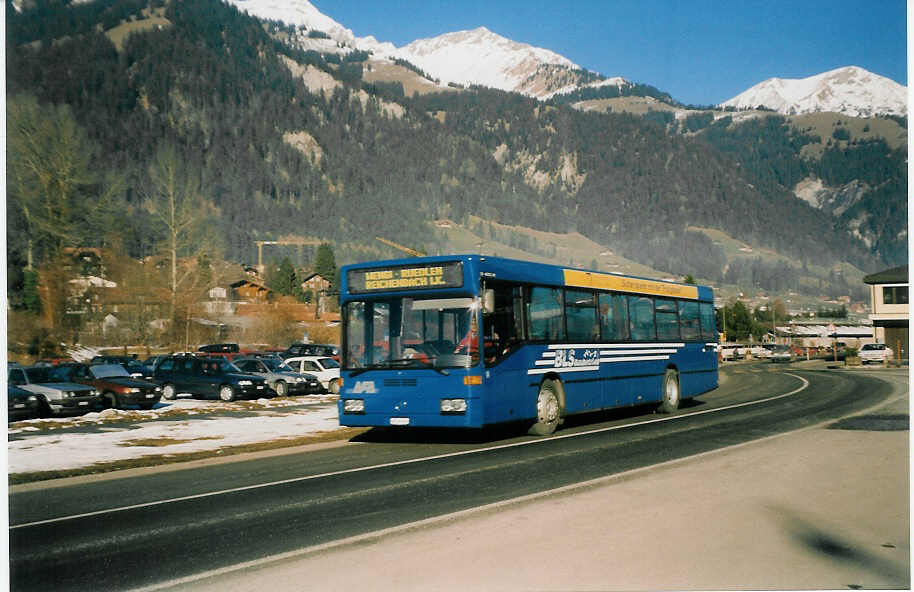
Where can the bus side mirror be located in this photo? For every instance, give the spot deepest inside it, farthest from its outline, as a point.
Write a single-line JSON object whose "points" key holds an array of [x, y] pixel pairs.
{"points": [[488, 301]]}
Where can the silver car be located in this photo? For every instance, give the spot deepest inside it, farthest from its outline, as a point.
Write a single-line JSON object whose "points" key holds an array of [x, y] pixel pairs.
{"points": [[780, 353], [57, 395], [280, 377]]}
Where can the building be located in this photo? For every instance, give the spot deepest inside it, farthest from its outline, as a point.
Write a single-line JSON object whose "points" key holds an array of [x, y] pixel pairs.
{"points": [[316, 283], [250, 290], [889, 298]]}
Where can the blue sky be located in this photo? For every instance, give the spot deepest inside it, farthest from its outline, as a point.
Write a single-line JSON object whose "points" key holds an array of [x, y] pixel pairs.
{"points": [[700, 51]]}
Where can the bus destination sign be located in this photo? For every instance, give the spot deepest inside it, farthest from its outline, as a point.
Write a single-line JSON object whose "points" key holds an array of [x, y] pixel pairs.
{"points": [[406, 277]]}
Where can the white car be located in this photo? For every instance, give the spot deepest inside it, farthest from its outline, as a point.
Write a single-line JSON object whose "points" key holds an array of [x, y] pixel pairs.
{"points": [[760, 352], [731, 351], [875, 353], [326, 369]]}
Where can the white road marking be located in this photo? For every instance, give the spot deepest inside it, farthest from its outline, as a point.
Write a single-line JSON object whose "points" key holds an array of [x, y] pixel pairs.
{"points": [[408, 462]]}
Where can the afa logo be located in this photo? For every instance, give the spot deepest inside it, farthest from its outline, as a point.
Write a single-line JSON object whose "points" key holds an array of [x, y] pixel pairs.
{"points": [[364, 387]]}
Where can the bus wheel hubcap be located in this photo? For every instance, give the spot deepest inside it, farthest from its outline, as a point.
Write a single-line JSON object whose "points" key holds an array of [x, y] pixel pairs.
{"points": [[547, 407]]}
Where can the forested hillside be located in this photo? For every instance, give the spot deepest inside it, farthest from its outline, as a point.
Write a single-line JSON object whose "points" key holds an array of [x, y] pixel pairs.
{"points": [[202, 99]]}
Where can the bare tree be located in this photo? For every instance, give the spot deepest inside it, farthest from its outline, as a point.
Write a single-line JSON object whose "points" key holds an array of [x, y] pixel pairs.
{"points": [[49, 169], [174, 201]]}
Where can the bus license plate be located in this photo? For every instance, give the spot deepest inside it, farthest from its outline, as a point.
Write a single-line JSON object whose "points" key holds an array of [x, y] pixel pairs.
{"points": [[84, 402], [400, 421]]}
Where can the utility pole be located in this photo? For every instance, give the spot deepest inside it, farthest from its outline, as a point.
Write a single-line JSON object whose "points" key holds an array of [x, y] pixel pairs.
{"points": [[774, 325]]}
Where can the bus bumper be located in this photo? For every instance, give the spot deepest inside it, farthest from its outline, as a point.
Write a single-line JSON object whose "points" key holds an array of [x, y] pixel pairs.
{"points": [[378, 412]]}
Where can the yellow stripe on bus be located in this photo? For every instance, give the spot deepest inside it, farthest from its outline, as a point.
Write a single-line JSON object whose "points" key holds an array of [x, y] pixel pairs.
{"points": [[619, 283]]}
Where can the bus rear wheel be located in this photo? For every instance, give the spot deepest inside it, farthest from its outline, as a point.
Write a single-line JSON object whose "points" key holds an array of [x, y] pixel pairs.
{"points": [[670, 394], [548, 410]]}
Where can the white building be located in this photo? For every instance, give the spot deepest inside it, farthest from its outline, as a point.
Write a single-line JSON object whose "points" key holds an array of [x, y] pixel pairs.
{"points": [[890, 310]]}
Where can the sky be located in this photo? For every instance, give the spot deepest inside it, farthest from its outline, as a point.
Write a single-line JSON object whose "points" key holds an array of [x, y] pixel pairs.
{"points": [[702, 52]]}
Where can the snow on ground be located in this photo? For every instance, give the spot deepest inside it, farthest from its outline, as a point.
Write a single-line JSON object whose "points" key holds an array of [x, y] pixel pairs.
{"points": [[176, 427]]}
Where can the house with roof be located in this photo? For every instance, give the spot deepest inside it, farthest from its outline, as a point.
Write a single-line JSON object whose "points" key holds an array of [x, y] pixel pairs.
{"points": [[250, 290], [890, 309], [316, 283]]}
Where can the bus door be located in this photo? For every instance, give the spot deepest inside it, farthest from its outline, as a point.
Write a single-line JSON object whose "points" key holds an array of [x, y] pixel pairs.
{"points": [[503, 339]]}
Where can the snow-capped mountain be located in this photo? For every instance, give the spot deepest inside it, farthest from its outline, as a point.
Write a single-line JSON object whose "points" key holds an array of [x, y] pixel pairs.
{"points": [[295, 12], [471, 57], [486, 58], [851, 90]]}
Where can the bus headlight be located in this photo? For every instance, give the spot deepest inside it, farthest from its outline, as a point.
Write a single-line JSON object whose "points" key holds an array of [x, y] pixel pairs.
{"points": [[354, 406], [453, 405]]}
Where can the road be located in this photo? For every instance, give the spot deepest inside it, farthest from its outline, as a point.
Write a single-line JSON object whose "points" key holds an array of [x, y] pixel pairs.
{"points": [[165, 526]]}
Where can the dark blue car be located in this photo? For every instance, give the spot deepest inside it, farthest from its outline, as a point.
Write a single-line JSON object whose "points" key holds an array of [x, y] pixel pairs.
{"points": [[208, 378]]}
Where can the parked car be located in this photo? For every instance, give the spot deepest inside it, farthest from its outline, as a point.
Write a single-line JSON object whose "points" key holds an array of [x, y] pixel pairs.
{"points": [[326, 369], [152, 361], [281, 378], [53, 361], [312, 349], [761, 351], [875, 353], [219, 348], [56, 394], [729, 352], [133, 366], [780, 353], [119, 389], [208, 378], [21, 404]]}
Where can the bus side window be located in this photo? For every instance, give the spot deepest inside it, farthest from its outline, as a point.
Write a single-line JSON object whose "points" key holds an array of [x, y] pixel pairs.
{"points": [[544, 314], [688, 320], [708, 322], [641, 311], [613, 317], [667, 319], [580, 316]]}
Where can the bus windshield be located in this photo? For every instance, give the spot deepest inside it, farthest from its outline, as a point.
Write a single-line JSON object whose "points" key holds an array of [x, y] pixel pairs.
{"points": [[411, 333]]}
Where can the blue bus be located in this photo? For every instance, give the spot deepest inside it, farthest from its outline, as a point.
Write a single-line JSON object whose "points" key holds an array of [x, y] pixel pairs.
{"points": [[472, 340]]}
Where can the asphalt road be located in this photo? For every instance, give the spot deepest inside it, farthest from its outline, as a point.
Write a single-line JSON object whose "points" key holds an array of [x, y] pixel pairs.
{"points": [[137, 531]]}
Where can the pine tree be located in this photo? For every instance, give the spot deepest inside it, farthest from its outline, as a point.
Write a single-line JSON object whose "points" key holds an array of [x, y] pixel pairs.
{"points": [[325, 264]]}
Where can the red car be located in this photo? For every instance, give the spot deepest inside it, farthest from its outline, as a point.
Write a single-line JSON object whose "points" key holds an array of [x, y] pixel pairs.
{"points": [[118, 388]]}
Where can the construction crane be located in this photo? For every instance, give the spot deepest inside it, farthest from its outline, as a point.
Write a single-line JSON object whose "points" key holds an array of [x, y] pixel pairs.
{"points": [[391, 243], [292, 241]]}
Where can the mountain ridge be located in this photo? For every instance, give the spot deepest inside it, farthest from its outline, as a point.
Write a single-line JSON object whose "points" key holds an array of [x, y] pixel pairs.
{"points": [[482, 57], [850, 90]]}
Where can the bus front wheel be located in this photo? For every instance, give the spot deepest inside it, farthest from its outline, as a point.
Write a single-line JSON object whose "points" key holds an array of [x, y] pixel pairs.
{"points": [[670, 395], [548, 410]]}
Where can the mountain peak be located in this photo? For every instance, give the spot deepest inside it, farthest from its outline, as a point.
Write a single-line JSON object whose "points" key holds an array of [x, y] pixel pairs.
{"points": [[480, 56], [850, 90]]}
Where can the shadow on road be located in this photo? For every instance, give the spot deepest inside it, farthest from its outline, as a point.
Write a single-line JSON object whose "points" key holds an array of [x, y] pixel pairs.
{"points": [[507, 431]]}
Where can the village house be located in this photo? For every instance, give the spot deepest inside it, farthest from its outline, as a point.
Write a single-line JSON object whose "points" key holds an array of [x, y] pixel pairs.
{"points": [[316, 283]]}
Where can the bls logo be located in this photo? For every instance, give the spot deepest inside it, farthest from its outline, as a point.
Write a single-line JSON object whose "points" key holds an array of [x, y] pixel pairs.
{"points": [[364, 387], [567, 358]]}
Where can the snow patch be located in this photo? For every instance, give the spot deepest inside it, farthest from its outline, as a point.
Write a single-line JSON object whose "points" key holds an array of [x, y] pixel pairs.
{"points": [[87, 440]]}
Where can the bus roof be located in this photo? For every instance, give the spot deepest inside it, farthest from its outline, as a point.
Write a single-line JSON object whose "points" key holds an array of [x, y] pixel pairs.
{"points": [[404, 276]]}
